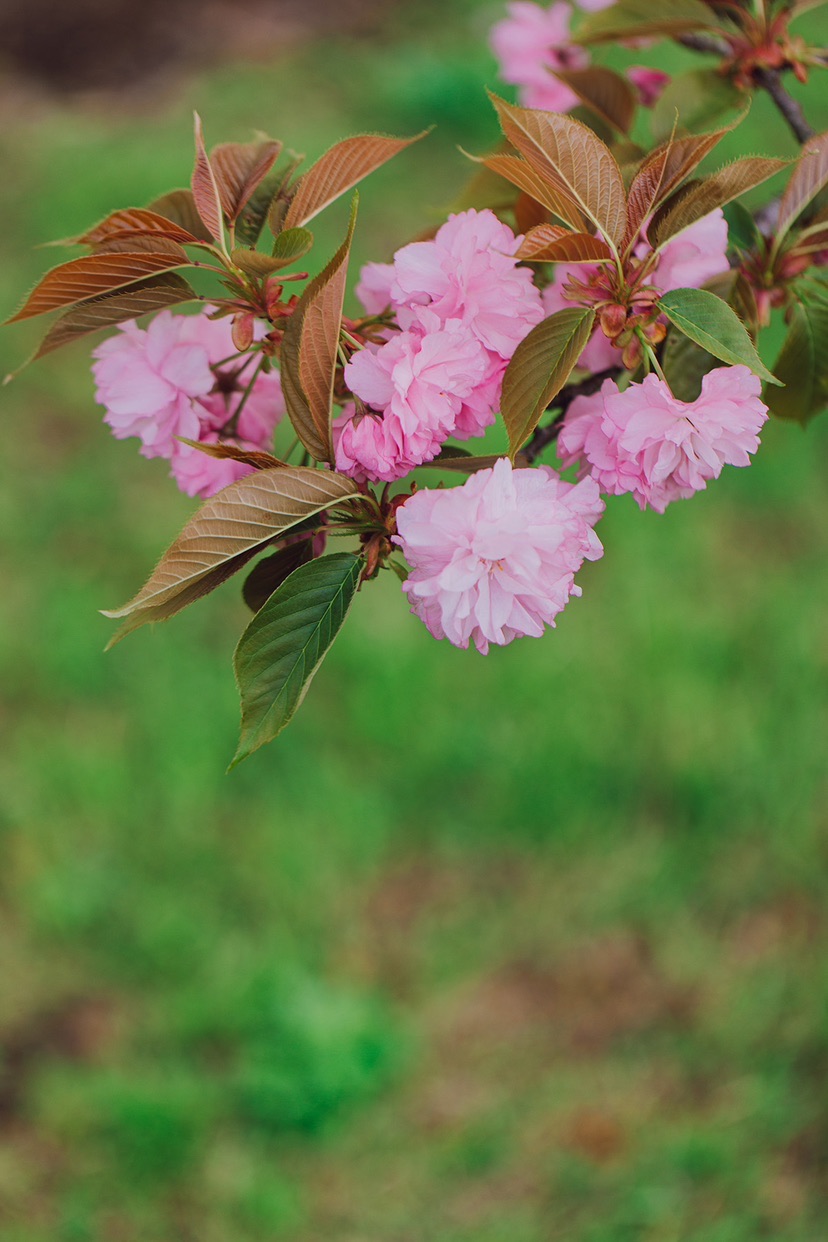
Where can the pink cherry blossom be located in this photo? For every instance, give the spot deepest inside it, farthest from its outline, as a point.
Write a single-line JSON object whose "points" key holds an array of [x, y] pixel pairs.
{"points": [[649, 83], [529, 43], [468, 272], [645, 441], [374, 287], [416, 385], [148, 379], [594, 6], [496, 558], [165, 382]]}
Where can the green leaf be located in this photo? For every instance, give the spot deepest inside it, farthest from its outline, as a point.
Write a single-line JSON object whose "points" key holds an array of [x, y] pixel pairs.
{"points": [[642, 17], [711, 323], [742, 232], [802, 366], [285, 643], [289, 247], [698, 98], [540, 366], [272, 571]]}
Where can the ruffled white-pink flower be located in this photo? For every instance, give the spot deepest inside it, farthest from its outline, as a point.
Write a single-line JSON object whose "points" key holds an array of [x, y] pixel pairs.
{"points": [[496, 558], [645, 441]]}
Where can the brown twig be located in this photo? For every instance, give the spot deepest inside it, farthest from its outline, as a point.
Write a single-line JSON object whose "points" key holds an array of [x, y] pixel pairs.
{"points": [[771, 81], [704, 43], [544, 436]]}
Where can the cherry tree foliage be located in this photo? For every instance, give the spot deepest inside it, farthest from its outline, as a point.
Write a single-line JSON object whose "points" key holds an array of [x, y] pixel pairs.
{"points": [[597, 298]]}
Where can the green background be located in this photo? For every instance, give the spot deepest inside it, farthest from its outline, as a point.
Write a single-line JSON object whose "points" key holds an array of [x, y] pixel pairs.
{"points": [[512, 949]]}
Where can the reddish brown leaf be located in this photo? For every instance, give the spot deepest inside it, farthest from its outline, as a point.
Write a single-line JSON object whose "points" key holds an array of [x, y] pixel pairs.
{"points": [[205, 188], [573, 160], [529, 213], [549, 244], [132, 243], [339, 170], [248, 457], [604, 92], [702, 197], [661, 173], [132, 222], [89, 277], [809, 177], [516, 170], [239, 168], [226, 532], [309, 352], [113, 308], [179, 207]]}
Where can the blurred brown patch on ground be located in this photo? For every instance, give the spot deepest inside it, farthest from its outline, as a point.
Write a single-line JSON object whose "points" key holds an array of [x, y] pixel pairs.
{"points": [[109, 45]]}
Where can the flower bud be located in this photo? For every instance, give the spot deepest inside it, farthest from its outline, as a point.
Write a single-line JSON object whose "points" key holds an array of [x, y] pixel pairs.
{"points": [[612, 320]]}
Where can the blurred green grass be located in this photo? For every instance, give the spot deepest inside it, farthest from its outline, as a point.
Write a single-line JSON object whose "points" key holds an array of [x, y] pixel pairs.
{"points": [[520, 948]]}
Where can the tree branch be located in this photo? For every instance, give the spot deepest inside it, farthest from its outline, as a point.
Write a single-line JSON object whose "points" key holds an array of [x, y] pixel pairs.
{"points": [[704, 43], [771, 81], [544, 436]]}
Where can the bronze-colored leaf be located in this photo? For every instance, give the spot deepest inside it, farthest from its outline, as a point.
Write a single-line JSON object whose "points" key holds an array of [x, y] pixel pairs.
{"points": [[550, 244], [309, 352], [256, 458], [573, 160], [339, 170], [179, 207], [226, 532], [809, 177], [662, 173], [280, 201], [604, 92], [521, 174], [143, 298], [462, 464], [640, 18], [702, 197], [90, 277], [132, 222], [540, 366], [529, 213], [148, 243], [239, 168], [205, 187]]}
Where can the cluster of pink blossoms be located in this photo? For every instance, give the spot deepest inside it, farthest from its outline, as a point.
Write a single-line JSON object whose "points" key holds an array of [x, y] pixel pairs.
{"points": [[532, 43], [462, 305], [645, 441], [182, 377], [496, 558]]}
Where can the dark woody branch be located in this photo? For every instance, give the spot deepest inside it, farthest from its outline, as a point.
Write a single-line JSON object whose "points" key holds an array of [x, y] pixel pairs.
{"points": [[769, 80]]}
